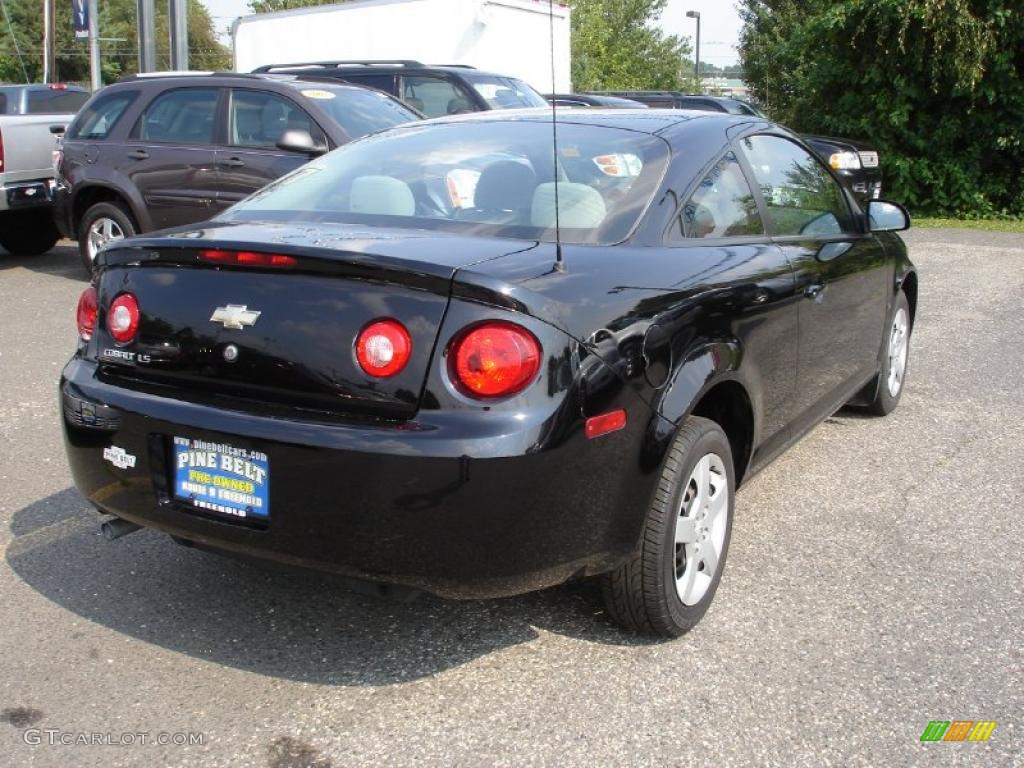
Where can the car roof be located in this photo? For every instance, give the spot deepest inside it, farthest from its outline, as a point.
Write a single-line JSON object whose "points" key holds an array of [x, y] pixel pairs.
{"points": [[386, 68], [652, 121], [292, 80]]}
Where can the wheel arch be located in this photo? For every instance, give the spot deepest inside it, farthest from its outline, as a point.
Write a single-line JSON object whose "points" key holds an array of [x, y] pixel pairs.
{"points": [[90, 194]]}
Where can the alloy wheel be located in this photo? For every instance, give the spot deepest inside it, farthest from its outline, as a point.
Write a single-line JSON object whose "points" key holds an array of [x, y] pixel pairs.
{"points": [[700, 528], [102, 231], [898, 349]]}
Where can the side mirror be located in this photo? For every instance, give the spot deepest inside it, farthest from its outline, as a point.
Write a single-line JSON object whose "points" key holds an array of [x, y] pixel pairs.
{"points": [[887, 217], [296, 140]]}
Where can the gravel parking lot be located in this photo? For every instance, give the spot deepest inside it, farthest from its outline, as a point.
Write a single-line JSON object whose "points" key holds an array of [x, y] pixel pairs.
{"points": [[875, 582]]}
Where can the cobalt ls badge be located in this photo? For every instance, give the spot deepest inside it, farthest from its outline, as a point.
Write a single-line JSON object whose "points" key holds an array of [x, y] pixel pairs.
{"points": [[119, 457]]}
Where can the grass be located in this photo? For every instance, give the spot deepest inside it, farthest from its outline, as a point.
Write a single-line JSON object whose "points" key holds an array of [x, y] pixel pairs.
{"points": [[990, 225]]}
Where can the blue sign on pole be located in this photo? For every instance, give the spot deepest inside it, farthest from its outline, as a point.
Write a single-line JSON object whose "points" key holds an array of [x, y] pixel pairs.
{"points": [[80, 18]]}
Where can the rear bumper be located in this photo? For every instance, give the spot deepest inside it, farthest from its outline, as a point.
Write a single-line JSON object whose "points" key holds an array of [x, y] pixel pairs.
{"points": [[26, 195], [454, 507]]}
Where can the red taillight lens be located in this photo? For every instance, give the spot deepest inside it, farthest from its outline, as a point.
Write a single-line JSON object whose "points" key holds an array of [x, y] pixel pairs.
{"points": [[85, 315], [495, 359], [123, 317], [383, 348], [247, 258]]}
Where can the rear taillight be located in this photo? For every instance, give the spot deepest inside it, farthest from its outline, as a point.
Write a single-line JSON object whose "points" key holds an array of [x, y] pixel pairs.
{"points": [[85, 315], [123, 318], [383, 348], [247, 258], [494, 359]]}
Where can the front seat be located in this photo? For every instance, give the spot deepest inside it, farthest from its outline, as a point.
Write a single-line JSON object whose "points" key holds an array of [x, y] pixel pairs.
{"points": [[274, 122]]}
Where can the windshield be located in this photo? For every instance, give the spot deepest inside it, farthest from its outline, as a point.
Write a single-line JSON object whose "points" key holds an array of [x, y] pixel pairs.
{"points": [[505, 92], [359, 111], [481, 177]]}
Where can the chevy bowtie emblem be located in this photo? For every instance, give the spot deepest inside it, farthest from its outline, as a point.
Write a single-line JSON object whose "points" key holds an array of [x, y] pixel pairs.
{"points": [[235, 316]]}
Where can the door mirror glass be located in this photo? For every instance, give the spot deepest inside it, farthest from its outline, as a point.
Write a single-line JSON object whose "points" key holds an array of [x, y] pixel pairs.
{"points": [[297, 140], [887, 217]]}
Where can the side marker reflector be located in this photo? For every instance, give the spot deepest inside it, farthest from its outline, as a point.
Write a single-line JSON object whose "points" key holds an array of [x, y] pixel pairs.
{"points": [[612, 421]]}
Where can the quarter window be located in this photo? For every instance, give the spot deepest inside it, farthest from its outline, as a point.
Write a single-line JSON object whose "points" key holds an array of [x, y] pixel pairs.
{"points": [[435, 97], [801, 197], [722, 206], [259, 119], [182, 116], [99, 118]]}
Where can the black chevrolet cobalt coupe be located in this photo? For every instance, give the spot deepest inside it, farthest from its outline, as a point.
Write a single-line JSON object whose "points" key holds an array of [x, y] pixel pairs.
{"points": [[456, 357]]}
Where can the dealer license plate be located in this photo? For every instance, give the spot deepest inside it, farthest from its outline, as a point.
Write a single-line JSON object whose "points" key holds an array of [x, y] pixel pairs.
{"points": [[222, 478]]}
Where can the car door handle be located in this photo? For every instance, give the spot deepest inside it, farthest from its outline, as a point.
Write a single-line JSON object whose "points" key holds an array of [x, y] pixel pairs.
{"points": [[231, 162], [814, 291], [138, 154]]}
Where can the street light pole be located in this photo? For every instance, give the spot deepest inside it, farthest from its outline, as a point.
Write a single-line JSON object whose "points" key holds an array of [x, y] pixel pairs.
{"points": [[696, 63]]}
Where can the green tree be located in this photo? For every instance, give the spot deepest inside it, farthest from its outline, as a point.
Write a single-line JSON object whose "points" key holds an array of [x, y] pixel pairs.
{"points": [[615, 47], [119, 56], [938, 85], [269, 6]]}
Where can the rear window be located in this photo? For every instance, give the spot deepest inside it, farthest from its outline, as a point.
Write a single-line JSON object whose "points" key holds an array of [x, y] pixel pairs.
{"points": [[55, 101], [483, 178], [358, 111], [98, 119]]}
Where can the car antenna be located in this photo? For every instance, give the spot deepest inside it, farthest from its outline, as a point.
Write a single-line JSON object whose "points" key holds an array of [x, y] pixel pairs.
{"points": [[559, 263]]}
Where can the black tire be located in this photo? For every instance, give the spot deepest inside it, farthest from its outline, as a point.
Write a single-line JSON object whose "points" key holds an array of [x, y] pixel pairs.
{"points": [[115, 212], [885, 401], [28, 234], [641, 595]]}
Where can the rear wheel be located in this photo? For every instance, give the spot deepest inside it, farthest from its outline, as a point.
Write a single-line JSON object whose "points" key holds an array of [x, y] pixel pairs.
{"points": [[102, 223], [28, 234], [669, 584], [890, 383]]}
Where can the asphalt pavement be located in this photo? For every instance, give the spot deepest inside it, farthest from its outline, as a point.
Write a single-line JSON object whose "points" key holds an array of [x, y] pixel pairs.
{"points": [[875, 583]]}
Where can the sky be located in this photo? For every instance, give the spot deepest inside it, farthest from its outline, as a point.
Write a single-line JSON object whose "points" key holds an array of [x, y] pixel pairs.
{"points": [[720, 24]]}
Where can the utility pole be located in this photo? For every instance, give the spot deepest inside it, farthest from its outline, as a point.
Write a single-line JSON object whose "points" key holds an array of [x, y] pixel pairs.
{"points": [[178, 25], [94, 45], [147, 36], [48, 44], [696, 63]]}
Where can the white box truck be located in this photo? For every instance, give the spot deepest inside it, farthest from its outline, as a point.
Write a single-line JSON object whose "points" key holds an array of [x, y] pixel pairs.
{"points": [[506, 37]]}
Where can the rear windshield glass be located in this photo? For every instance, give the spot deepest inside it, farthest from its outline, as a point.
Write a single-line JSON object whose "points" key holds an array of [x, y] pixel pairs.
{"points": [[505, 92], [55, 101], [99, 118], [359, 111], [485, 178]]}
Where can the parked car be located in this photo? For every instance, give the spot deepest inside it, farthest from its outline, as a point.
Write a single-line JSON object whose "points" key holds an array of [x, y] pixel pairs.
{"points": [[151, 152], [433, 91], [30, 115], [348, 373], [856, 163], [592, 100]]}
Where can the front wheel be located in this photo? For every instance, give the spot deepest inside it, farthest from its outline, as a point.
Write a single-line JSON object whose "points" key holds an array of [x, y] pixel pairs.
{"points": [[669, 583], [102, 223], [890, 383]]}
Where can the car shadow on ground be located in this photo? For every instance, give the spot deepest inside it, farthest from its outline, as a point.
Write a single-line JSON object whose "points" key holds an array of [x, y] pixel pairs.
{"points": [[293, 624], [62, 261]]}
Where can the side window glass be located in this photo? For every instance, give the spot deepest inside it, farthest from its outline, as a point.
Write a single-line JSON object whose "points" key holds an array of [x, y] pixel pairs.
{"points": [[258, 119], [800, 195], [434, 97], [99, 119], [182, 116], [722, 206]]}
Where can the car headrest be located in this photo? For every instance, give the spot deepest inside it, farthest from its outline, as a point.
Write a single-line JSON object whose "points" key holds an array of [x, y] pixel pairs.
{"points": [[382, 195], [579, 206], [505, 186]]}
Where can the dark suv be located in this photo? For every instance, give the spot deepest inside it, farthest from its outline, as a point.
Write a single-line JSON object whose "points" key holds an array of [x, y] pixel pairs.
{"points": [[152, 152], [433, 91]]}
